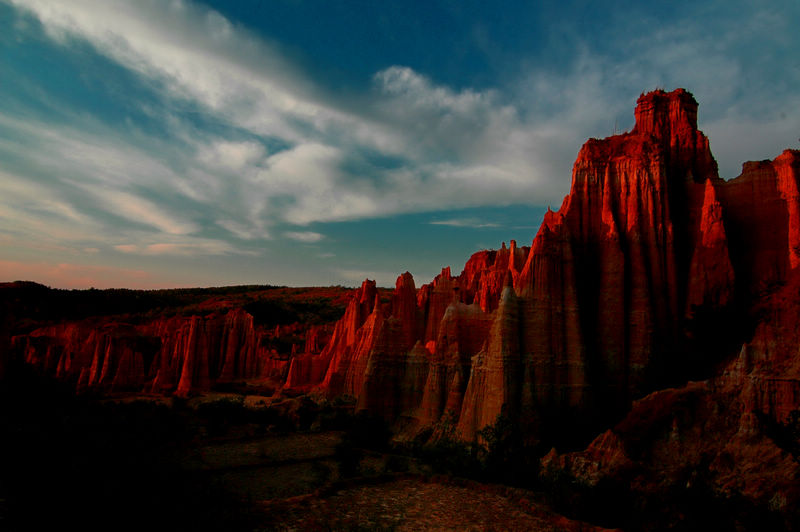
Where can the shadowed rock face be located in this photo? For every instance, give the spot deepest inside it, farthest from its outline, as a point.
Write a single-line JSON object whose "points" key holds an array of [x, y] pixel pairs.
{"points": [[609, 303], [733, 434]]}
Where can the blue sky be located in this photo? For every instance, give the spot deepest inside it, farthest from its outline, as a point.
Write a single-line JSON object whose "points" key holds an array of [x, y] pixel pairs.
{"points": [[175, 143]]}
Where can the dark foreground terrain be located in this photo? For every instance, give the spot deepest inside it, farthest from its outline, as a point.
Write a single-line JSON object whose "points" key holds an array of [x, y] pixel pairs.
{"points": [[226, 462], [245, 455]]}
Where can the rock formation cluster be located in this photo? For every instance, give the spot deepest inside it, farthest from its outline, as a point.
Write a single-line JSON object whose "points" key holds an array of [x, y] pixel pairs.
{"points": [[622, 293], [180, 354]]}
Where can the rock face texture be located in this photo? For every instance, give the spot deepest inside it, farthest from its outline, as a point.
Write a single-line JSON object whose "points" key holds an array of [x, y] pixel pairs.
{"points": [[764, 221]]}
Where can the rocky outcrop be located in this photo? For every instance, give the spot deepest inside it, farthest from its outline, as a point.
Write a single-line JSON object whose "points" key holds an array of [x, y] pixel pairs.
{"points": [[181, 355], [485, 273], [311, 369], [734, 435], [493, 384], [687, 449], [711, 274], [763, 220], [765, 376], [552, 344]]}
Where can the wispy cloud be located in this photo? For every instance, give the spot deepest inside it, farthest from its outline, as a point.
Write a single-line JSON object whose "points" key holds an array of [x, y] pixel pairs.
{"points": [[34, 212], [307, 237], [464, 222], [199, 57], [243, 231], [190, 248], [458, 148], [140, 210], [231, 156]]}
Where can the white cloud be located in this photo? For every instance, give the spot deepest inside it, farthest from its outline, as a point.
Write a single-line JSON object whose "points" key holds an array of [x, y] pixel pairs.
{"points": [[307, 237], [455, 147], [232, 156], [762, 139], [418, 91], [190, 247], [79, 176], [35, 213], [243, 231], [305, 184], [464, 222], [16, 192], [90, 151], [199, 57], [140, 210]]}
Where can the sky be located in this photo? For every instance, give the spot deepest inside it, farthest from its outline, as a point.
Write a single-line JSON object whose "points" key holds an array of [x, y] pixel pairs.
{"points": [[174, 143]]}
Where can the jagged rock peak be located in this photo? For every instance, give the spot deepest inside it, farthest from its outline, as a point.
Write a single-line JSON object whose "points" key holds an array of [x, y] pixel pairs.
{"points": [[403, 280], [366, 293], [660, 113], [665, 137]]}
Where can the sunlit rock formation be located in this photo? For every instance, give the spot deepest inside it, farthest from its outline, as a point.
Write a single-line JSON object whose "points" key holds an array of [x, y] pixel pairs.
{"points": [[624, 291], [583, 321], [181, 355]]}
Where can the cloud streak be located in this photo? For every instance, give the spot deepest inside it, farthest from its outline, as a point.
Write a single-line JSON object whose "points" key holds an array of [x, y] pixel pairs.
{"points": [[185, 248], [464, 222], [306, 237]]}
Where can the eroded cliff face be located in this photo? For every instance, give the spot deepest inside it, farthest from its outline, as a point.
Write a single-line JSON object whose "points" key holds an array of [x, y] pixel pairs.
{"points": [[732, 435], [765, 375], [764, 221]]}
